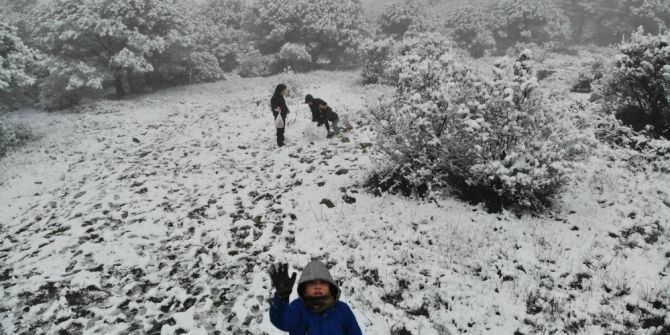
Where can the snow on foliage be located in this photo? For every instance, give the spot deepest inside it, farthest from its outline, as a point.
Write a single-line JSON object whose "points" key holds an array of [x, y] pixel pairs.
{"points": [[399, 17], [217, 29], [493, 138], [328, 28], [377, 53], [472, 28], [530, 21], [635, 88], [608, 21], [15, 60], [295, 56], [114, 37]]}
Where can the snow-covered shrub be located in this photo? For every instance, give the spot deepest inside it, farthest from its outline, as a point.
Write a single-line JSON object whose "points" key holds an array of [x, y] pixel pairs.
{"points": [[531, 21], [296, 87], [12, 135], [377, 54], [7, 137], [332, 29], [428, 45], [635, 85], [540, 52], [588, 76], [492, 139], [295, 56], [471, 28], [68, 83], [253, 64], [17, 62], [425, 45], [398, 17], [608, 21], [202, 67]]}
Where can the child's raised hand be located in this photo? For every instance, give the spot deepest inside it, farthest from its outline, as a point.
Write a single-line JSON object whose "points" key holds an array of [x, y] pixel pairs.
{"points": [[280, 280]]}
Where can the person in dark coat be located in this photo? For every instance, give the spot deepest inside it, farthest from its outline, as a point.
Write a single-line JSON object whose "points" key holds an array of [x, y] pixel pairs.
{"points": [[322, 114], [278, 106], [318, 310]]}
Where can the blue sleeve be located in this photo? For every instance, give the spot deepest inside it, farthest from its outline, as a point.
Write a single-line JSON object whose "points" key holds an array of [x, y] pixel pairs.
{"points": [[283, 315], [352, 327]]}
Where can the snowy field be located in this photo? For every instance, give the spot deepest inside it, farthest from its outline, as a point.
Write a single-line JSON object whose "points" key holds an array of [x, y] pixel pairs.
{"points": [[160, 215]]}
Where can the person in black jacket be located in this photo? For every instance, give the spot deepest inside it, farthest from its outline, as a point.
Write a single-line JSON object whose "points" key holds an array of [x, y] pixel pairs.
{"points": [[322, 113], [278, 106]]}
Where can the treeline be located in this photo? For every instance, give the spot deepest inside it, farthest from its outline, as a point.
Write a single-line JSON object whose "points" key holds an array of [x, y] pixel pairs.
{"points": [[491, 27], [54, 53]]}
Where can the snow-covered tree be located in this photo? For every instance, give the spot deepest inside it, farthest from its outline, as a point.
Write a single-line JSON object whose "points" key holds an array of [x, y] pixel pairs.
{"points": [[113, 37], [472, 28], [15, 60], [529, 21], [635, 86], [227, 12], [398, 17], [295, 56], [19, 14], [217, 29], [331, 30], [377, 53]]}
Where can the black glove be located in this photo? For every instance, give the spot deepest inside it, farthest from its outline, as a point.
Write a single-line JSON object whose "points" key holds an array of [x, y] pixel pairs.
{"points": [[280, 280]]}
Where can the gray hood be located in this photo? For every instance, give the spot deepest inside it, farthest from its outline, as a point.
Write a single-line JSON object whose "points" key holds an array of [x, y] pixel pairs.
{"points": [[315, 270]]}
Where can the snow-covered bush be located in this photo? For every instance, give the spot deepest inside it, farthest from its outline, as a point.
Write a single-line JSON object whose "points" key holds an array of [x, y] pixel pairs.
{"points": [[492, 139], [531, 21], [428, 45], [329, 29], [587, 77], [472, 27], [608, 21], [202, 67], [296, 86], [253, 64], [377, 54], [635, 85], [7, 137], [67, 83], [17, 62], [12, 135], [380, 52], [295, 56], [398, 17]]}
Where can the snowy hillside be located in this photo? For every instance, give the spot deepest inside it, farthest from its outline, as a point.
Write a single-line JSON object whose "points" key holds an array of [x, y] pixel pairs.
{"points": [[161, 214]]}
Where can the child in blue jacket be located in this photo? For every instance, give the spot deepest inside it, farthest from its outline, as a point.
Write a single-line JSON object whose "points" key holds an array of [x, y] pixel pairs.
{"points": [[318, 310]]}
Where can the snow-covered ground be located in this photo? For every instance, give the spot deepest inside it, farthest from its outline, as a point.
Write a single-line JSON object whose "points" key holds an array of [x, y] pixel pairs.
{"points": [[161, 214]]}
